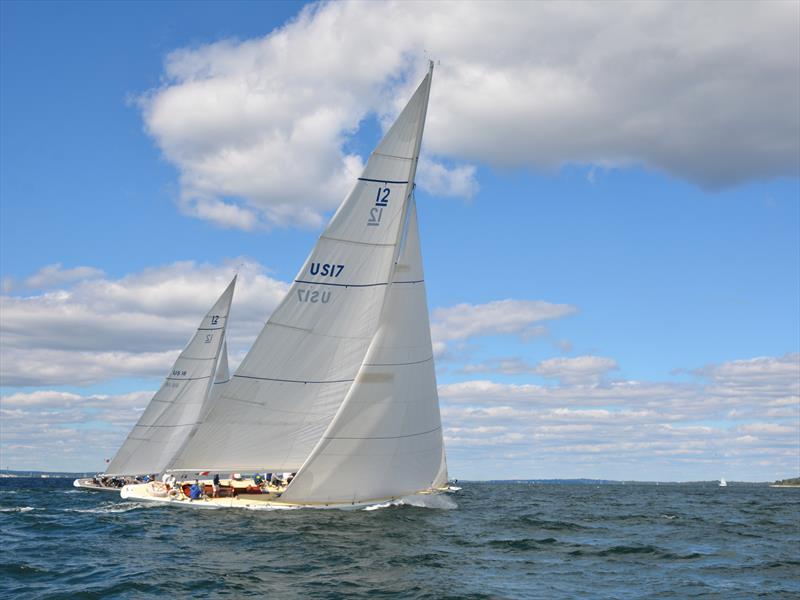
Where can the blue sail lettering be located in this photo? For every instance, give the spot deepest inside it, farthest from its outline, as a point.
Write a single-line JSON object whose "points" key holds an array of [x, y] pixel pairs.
{"points": [[325, 269]]}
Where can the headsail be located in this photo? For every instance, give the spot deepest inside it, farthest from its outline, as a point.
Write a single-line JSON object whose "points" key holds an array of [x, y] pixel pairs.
{"points": [[386, 439], [223, 374], [442, 477], [176, 407], [289, 386]]}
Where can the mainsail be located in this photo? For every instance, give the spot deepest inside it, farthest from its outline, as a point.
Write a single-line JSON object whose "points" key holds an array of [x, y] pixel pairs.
{"points": [[293, 380], [178, 405]]}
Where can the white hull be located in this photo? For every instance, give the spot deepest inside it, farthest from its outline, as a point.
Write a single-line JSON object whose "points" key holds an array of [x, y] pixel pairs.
{"points": [[88, 484], [268, 501]]}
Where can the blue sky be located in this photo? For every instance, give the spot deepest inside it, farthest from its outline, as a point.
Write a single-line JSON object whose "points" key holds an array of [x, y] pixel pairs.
{"points": [[650, 190]]}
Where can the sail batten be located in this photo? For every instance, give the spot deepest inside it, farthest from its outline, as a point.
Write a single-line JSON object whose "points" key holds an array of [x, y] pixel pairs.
{"points": [[292, 380], [385, 437]]}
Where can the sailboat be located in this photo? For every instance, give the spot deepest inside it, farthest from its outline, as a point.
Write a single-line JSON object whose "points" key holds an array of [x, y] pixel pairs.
{"points": [[176, 407], [723, 483], [339, 390]]}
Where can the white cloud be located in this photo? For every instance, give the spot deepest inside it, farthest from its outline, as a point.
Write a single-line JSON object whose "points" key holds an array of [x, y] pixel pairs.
{"points": [[258, 128], [57, 399], [54, 275], [439, 180], [500, 317], [580, 369], [101, 328], [53, 430], [505, 366], [644, 430], [577, 370], [38, 367], [761, 370], [628, 429]]}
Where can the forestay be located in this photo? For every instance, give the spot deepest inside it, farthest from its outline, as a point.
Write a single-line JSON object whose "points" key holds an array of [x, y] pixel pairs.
{"points": [[297, 373], [177, 406], [386, 439]]}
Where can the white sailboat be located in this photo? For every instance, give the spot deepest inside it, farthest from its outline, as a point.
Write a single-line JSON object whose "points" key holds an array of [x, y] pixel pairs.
{"points": [[176, 407], [723, 483], [339, 387]]}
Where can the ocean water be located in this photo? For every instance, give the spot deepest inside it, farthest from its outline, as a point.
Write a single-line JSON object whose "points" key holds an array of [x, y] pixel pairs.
{"points": [[507, 540]]}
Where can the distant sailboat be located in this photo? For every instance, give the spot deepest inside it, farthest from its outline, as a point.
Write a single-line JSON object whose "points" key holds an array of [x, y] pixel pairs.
{"points": [[339, 388], [723, 483], [176, 407]]}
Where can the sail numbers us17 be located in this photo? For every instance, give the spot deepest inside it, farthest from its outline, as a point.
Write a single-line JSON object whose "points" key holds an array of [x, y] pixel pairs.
{"points": [[313, 296], [381, 201], [325, 269]]}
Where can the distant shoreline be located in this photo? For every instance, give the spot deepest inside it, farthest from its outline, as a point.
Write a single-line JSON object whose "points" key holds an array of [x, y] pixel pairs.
{"points": [[7, 474]]}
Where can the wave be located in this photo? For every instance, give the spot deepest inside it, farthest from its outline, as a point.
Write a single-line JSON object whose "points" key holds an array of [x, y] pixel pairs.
{"points": [[384, 505], [436, 501], [552, 525], [118, 507], [522, 544], [634, 550], [270, 507], [18, 509]]}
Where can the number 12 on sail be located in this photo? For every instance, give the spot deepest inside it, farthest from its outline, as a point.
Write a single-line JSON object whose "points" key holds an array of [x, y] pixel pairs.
{"points": [[376, 212]]}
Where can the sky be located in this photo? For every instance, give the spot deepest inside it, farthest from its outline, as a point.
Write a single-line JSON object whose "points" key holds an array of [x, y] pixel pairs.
{"points": [[608, 197]]}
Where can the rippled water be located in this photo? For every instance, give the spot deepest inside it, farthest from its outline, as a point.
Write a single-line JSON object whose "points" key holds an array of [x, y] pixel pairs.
{"points": [[507, 540]]}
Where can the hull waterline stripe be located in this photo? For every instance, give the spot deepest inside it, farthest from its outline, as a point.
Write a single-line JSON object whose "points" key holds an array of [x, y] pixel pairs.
{"points": [[292, 380]]}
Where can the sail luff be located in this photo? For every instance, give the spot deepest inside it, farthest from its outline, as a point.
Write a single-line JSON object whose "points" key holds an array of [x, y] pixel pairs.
{"points": [[415, 162]]}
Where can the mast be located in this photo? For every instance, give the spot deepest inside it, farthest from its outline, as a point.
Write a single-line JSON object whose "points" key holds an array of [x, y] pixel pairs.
{"points": [[415, 163]]}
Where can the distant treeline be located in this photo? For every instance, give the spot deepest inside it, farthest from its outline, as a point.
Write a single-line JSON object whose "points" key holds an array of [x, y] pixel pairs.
{"points": [[790, 481], [609, 482]]}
